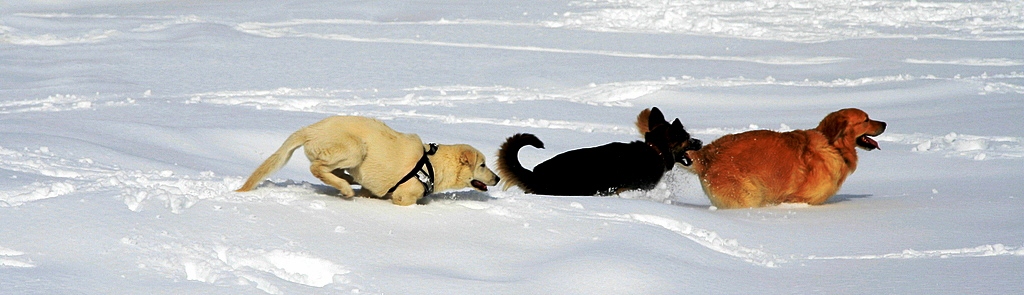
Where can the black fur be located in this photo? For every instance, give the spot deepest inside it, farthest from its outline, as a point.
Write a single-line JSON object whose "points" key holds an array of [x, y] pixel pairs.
{"points": [[601, 170], [678, 141]]}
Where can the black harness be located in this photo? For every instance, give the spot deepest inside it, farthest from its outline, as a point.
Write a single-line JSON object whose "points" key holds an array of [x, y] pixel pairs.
{"points": [[423, 171]]}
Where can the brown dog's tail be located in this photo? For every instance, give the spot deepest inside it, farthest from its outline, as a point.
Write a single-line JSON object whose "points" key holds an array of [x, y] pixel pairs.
{"points": [[641, 121], [275, 161], [648, 119], [509, 168]]}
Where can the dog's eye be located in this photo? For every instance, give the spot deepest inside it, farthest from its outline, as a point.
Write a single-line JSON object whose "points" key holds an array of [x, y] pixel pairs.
{"points": [[483, 165]]}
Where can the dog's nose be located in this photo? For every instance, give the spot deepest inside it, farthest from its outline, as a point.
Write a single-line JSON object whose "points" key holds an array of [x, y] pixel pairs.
{"points": [[695, 144]]}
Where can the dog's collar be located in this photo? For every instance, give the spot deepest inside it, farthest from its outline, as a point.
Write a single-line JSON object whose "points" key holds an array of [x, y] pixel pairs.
{"points": [[656, 149], [669, 162], [423, 172]]}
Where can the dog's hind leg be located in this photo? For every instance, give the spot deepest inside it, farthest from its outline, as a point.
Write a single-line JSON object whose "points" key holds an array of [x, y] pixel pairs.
{"points": [[344, 175], [731, 193], [322, 170], [327, 156]]}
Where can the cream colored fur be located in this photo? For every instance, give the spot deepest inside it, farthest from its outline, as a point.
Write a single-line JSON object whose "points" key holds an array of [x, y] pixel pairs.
{"points": [[375, 157]]}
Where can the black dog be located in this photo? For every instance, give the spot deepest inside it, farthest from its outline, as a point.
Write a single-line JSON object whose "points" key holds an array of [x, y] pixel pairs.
{"points": [[678, 146], [602, 170]]}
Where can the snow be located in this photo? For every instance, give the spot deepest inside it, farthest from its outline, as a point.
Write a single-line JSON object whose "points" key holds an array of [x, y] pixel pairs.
{"points": [[126, 125]]}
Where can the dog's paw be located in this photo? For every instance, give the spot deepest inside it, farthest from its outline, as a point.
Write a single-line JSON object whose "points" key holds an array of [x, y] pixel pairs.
{"points": [[347, 192], [403, 200]]}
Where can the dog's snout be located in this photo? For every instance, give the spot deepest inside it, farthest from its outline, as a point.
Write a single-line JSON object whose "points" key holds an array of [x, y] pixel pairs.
{"points": [[696, 144], [881, 127]]}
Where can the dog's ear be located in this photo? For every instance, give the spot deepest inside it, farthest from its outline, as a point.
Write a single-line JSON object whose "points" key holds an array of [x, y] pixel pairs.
{"points": [[467, 157], [641, 121], [678, 132], [677, 126], [833, 126], [655, 119]]}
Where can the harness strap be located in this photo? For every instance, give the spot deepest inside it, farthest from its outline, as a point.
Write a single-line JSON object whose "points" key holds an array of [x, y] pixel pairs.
{"points": [[425, 176]]}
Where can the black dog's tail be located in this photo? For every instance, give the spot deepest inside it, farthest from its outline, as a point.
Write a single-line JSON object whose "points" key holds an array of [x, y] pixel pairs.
{"points": [[509, 168]]}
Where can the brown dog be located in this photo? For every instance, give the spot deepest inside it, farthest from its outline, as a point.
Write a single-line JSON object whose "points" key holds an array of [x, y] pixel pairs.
{"points": [[761, 167]]}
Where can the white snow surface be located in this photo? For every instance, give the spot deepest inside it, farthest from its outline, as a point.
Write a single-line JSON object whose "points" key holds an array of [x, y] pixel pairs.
{"points": [[126, 125]]}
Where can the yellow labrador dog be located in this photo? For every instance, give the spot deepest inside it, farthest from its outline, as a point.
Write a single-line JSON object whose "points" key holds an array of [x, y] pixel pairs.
{"points": [[345, 150]]}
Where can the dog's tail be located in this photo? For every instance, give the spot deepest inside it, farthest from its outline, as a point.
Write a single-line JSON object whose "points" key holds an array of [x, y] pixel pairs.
{"points": [[641, 121], [275, 161], [509, 168]]}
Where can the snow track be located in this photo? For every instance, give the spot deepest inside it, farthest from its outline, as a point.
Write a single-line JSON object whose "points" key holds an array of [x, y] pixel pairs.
{"points": [[12, 258], [804, 21], [611, 95], [214, 263], [224, 264], [792, 21], [710, 240], [294, 29], [57, 176], [979, 251]]}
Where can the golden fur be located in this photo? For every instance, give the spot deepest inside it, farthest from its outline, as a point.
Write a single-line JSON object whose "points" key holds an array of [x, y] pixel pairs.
{"points": [[761, 167], [376, 157], [642, 121]]}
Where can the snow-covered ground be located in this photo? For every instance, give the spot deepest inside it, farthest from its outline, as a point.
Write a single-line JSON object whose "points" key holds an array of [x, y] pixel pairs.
{"points": [[125, 126]]}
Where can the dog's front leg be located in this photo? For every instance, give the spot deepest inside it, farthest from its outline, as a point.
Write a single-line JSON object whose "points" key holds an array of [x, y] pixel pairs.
{"points": [[408, 193], [324, 173]]}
